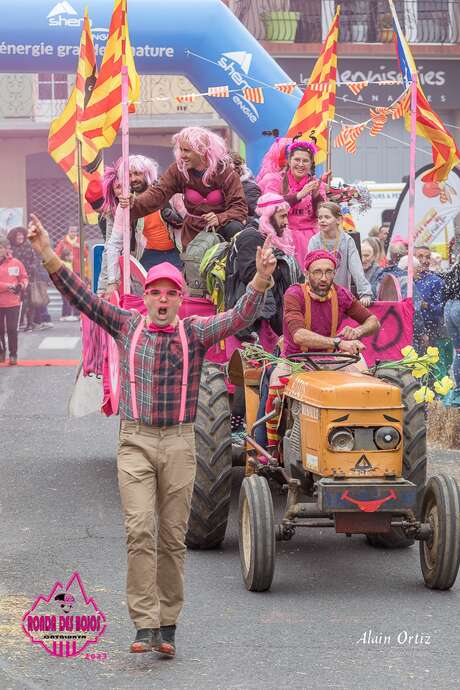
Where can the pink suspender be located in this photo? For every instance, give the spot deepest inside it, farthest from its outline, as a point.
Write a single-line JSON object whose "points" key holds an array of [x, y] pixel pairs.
{"points": [[185, 363], [183, 389]]}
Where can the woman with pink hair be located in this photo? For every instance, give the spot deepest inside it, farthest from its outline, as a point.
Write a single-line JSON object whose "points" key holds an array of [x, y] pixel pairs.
{"points": [[289, 169], [204, 174]]}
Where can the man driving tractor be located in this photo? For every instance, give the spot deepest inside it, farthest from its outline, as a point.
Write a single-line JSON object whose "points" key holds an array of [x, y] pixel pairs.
{"points": [[313, 314]]}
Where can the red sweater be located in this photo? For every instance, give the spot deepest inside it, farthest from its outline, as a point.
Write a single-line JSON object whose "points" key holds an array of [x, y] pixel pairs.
{"points": [[12, 274]]}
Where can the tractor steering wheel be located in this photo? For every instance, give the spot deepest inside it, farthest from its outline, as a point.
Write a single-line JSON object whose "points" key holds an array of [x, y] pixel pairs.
{"points": [[313, 359]]}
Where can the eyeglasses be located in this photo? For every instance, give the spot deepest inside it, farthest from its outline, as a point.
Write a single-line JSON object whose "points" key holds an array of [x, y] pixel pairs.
{"points": [[318, 273], [163, 292]]}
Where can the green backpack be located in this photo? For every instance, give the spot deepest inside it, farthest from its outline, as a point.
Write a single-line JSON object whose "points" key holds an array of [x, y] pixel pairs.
{"points": [[212, 269], [193, 257]]}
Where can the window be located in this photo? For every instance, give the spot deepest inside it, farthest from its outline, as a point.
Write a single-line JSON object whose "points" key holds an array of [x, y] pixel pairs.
{"points": [[52, 86]]}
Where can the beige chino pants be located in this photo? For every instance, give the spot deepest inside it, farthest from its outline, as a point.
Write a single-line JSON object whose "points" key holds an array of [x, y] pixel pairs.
{"points": [[156, 471]]}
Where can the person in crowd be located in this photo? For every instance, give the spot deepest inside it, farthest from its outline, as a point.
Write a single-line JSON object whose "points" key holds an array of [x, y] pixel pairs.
{"points": [[452, 320], [381, 233], [251, 189], [69, 313], [240, 266], [152, 238], [72, 241], [431, 289], [338, 243], [160, 367], [420, 338], [21, 249], [203, 172], [370, 252], [13, 282], [302, 190], [396, 252], [41, 316], [313, 314], [436, 263]]}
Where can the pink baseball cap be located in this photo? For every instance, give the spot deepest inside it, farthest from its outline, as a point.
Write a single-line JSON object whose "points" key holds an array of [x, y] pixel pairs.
{"points": [[165, 270]]}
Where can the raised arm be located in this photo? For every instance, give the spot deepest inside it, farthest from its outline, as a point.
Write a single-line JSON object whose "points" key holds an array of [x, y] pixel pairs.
{"points": [[110, 318], [156, 196]]}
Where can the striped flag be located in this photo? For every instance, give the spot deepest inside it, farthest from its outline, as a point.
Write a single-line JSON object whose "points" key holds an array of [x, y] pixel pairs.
{"points": [[357, 86], [317, 108], [186, 98], [102, 117], [348, 136], [401, 107], [255, 95], [288, 87], [218, 91], [429, 124], [62, 138]]}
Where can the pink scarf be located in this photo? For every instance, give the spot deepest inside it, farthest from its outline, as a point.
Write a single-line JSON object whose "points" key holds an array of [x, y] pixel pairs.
{"points": [[297, 185]]}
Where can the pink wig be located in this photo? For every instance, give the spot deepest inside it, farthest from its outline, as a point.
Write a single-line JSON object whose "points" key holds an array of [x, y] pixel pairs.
{"points": [[110, 203], [275, 158], [206, 144], [267, 205], [142, 164]]}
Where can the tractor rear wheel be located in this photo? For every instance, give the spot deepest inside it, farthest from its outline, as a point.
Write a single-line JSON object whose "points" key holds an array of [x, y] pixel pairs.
{"points": [[213, 481], [256, 534], [414, 445], [440, 556]]}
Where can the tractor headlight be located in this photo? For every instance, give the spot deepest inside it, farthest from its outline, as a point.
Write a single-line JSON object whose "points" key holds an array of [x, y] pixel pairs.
{"points": [[341, 440], [387, 438]]}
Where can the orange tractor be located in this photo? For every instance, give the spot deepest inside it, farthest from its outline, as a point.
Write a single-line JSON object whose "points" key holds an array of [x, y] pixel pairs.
{"points": [[353, 455]]}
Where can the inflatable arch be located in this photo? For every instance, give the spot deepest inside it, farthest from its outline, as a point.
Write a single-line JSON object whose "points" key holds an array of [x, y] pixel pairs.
{"points": [[167, 36]]}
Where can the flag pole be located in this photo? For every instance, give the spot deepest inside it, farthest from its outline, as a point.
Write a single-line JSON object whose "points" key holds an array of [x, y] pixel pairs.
{"points": [[411, 223], [125, 179], [81, 219]]}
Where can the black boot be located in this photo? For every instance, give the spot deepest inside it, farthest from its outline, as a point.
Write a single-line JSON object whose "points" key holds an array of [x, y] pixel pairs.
{"points": [[147, 639]]}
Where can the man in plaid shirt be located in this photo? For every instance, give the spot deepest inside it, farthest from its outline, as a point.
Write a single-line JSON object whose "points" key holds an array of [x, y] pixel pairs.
{"points": [[156, 451]]}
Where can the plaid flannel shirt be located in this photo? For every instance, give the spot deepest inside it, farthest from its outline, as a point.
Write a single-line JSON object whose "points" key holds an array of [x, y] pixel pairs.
{"points": [[158, 356]]}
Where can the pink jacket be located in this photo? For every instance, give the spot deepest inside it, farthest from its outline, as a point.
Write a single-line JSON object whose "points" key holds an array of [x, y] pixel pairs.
{"points": [[302, 215], [12, 274]]}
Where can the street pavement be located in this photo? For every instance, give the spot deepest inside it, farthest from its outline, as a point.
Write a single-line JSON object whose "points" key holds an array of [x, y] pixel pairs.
{"points": [[339, 614]]}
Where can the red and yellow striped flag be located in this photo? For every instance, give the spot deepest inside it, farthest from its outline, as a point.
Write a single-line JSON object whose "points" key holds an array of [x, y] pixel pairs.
{"points": [[429, 124], [254, 94], [62, 138], [102, 117], [317, 107], [287, 87]]}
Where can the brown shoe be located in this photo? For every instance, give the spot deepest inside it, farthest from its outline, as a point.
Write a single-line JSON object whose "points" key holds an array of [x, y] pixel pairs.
{"points": [[147, 640], [13, 361]]}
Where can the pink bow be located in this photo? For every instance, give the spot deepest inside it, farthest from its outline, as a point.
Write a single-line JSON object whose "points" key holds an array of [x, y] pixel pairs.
{"points": [[161, 329]]}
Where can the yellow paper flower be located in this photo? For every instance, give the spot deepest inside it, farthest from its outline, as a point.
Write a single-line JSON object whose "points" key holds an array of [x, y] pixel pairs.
{"points": [[432, 354], [409, 353], [419, 370], [443, 386], [424, 394]]}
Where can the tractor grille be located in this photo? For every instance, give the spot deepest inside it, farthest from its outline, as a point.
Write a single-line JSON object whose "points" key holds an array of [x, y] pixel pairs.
{"points": [[292, 452]]}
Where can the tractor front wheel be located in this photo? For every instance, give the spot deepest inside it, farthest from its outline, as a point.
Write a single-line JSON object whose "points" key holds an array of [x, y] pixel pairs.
{"points": [[440, 556], [256, 534]]}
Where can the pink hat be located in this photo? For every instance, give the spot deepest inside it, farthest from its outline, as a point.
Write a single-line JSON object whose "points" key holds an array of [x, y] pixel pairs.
{"points": [[165, 270], [317, 255]]}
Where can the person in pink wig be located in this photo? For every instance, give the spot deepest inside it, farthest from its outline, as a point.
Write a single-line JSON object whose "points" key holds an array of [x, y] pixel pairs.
{"points": [[204, 174], [298, 185]]}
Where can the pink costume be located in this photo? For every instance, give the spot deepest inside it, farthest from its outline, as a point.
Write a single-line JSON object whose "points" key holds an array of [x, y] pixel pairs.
{"points": [[302, 214]]}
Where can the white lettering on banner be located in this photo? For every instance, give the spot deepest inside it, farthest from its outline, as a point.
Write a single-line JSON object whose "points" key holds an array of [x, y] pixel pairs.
{"points": [[246, 106], [35, 50], [239, 101]]}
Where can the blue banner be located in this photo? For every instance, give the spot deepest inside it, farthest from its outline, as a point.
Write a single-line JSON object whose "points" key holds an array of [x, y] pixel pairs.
{"points": [[201, 39]]}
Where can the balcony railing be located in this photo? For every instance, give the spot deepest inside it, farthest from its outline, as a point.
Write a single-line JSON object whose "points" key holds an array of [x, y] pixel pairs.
{"points": [[362, 21]]}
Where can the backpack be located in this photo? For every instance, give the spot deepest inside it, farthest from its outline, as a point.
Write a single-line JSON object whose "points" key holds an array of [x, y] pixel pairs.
{"points": [[192, 258], [213, 271]]}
